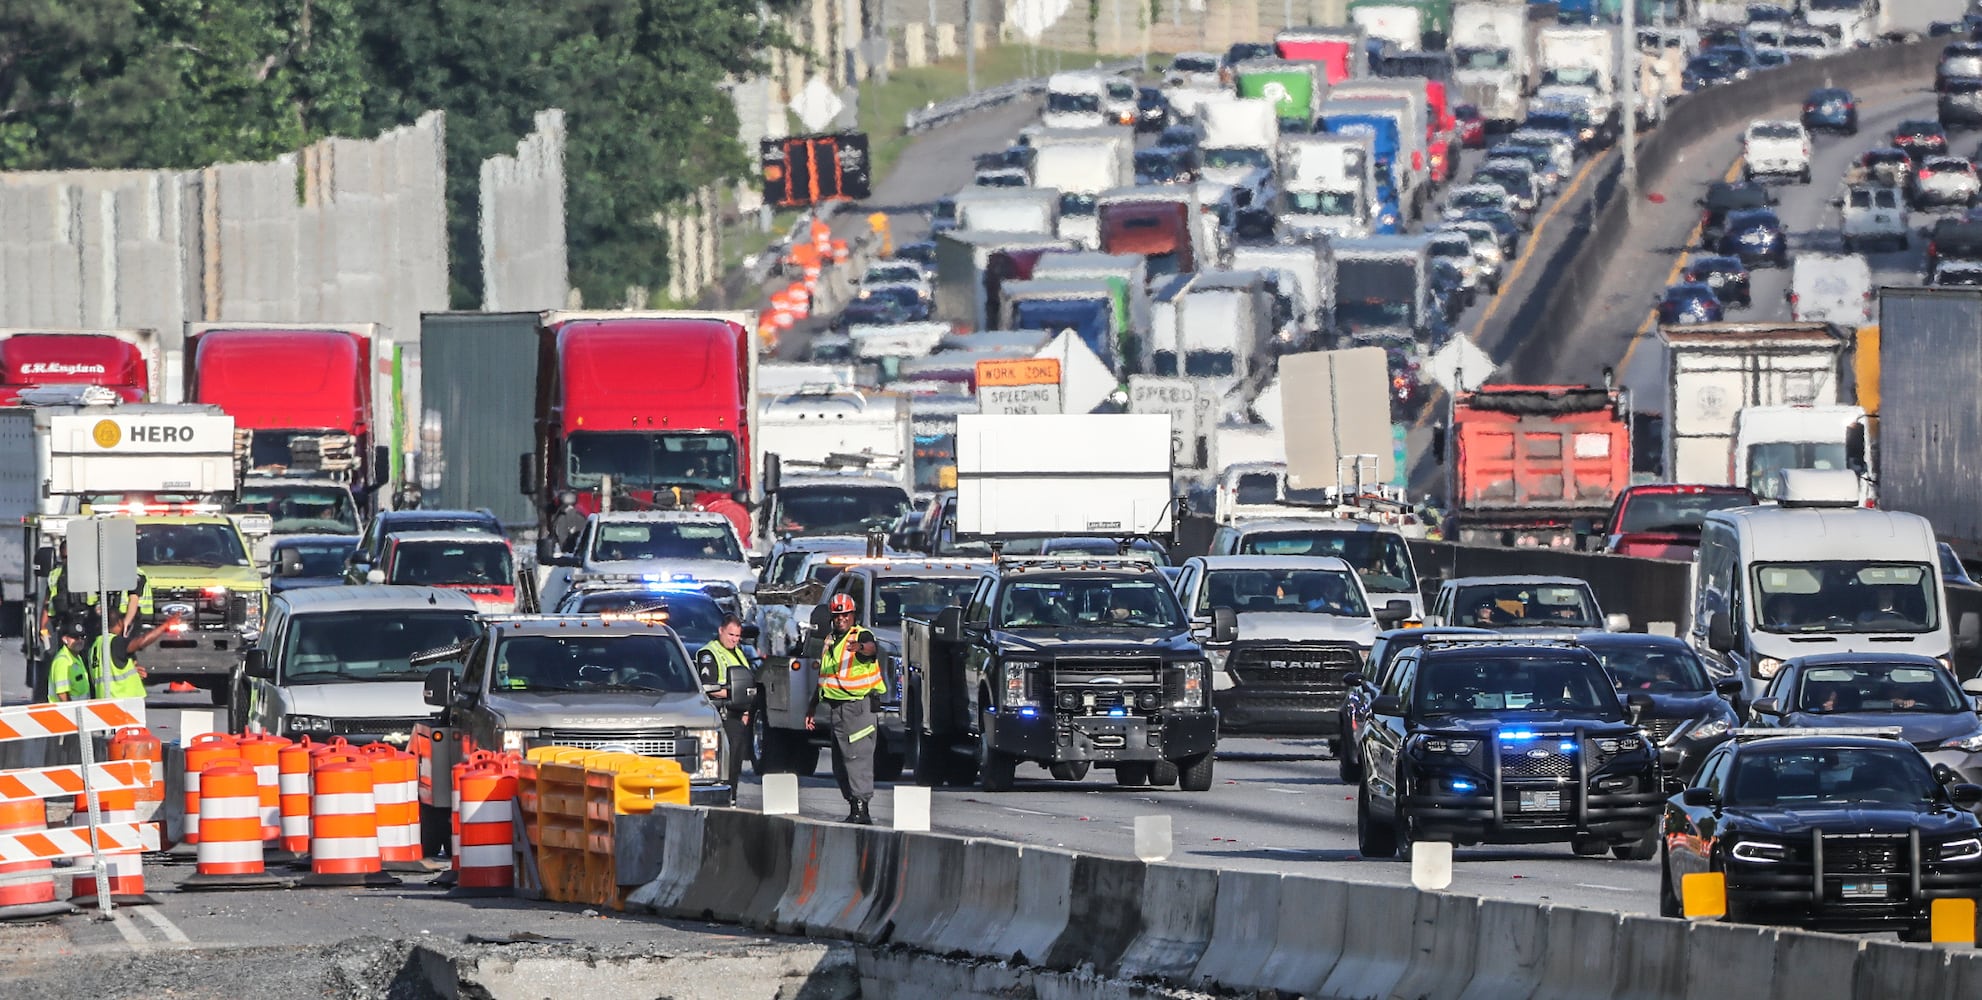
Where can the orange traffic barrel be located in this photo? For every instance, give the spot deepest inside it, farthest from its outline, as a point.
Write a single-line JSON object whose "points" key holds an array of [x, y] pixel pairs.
{"points": [[293, 788], [229, 854], [25, 898], [263, 752], [126, 872], [203, 750], [396, 797], [137, 743], [485, 815], [344, 844]]}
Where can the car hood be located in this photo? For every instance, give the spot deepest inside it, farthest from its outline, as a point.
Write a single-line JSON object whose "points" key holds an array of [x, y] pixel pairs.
{"points": [[358, 699], [1479, 722], [231, 577], [1268, 626], [602, 709], [1099, 641], [1689, 705], [280, 584], [1863, 817], [1926, 729]]}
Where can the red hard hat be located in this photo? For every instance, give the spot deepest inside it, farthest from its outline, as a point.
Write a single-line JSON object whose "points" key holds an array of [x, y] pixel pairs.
{"points": [[841, 604]]}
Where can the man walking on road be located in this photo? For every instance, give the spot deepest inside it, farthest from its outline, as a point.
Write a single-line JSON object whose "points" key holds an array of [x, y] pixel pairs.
{"points": [[850, 690], [720, 660]]}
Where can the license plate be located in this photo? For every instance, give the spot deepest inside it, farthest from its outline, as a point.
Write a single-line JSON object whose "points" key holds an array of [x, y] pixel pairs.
{"points": [[1541, 801], [1864, 890]]}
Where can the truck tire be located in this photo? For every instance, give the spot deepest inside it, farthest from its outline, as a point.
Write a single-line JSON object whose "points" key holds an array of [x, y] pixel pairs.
{"points": [[218, 690], [1588, 847], [932, 761], [1194, 773], [1070, 770], [1645, 848], [1374, 837], [802, 756], [764, 756], [1132, 775], [1163, 773], [995, 768], [436, 832]]}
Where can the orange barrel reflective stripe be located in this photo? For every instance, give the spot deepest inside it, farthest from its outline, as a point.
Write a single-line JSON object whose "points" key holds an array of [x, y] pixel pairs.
{"points": [[230, 849], [396, 803], [204, 750], [293, 786], [264, 753], [488, 805], [33, 896], [126, 871], [344, 846]]}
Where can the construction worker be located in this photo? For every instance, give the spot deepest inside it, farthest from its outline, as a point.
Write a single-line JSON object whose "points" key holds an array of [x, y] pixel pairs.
{"points": [[111, 667], [68, 672], [850, 690], [717, 659]]}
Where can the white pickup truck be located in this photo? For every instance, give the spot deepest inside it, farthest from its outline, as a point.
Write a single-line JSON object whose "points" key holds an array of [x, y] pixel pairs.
{"points": [[1776, 148]]}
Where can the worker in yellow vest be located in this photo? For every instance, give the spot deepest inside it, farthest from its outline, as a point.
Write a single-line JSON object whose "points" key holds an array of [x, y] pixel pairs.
{"points": [[722, 663], [850, 691], [112, 666], [68, 672]]}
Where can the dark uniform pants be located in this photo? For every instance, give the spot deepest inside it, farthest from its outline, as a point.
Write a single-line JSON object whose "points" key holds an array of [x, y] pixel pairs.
{"points": [[856, 732], [738, 738]]}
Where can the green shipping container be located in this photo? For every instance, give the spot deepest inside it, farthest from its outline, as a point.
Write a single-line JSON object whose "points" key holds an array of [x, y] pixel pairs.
{"points": [[1291, 90]]}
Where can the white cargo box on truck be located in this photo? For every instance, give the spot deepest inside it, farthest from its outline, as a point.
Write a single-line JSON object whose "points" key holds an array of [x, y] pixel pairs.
{"points": [[1075, 474], [1715, 370], [831, 430]]}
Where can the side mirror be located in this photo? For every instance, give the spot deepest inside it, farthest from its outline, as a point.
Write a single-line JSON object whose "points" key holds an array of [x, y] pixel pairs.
{"points": [[438, 690], [1968, 631], [527, 479], [546, 551], [1387, 704], [375, 576], [1224, 625], [1637, 704], [1854, 448], [1965, 795], [1720, 635], [773, 473], [290, 563], [1617, 622], [1699, 798], [1770, 707], [44, 559], [1353, 678], [1728, 687], [948, 626], [256, 665], [1392, 613]]}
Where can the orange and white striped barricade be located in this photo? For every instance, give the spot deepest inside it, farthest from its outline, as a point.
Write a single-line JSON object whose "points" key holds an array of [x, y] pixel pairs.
{"points": [[27, 845], [230, 848], [484, 854], [138, 743], [293, 793], [344, 843], [126, 872], [396, 803], [203, 750]]}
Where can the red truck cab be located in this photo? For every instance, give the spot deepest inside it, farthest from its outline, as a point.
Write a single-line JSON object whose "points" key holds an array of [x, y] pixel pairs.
{"points": [[658, 404], [1332, 53], [1159, 229], [44, 358], [305, 393], [481, 566], [1533, 460], [1662, 520]]}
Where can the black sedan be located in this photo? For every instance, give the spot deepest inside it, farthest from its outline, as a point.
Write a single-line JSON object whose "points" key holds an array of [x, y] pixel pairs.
{"points": [[297, 562], [1838, 833], [1164, 165], [1727, 276], [1831, 109], [1724, 197], [1152, 110], [1921, 137], [1689, 302], [1503, 223], [1756, 236], [1914, 693], [1690, 712]]}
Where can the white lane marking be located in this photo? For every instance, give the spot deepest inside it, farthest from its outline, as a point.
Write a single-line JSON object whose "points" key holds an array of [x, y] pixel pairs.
{"points": [[1606, 888], [163, 923], [132, 936], [1026, 812], [1286, 791]]}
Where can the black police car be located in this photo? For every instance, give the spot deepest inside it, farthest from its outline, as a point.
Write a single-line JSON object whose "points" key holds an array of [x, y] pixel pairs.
{"points": [[1505, 741], [1840, 830], [1366, 684]]}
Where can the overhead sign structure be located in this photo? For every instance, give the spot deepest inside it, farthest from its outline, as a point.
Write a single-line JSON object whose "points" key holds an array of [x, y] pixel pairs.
{"points": [[1019, 386], [1189, 413], [1340, 422]]}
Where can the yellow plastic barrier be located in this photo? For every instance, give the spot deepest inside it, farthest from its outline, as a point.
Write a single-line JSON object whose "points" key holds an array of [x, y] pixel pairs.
{"points": [[570, 796], [1953, 921]]}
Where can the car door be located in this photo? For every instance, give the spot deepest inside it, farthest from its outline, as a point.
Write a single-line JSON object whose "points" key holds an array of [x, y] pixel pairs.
{"points": [[264, 704], [1691, 831], [976, 647], [1383, 737], [1189, 580]]}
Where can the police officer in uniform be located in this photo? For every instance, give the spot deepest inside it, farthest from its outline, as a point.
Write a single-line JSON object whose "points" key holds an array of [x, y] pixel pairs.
{"points": [[850, 690], [68, 672], [721, 662]]}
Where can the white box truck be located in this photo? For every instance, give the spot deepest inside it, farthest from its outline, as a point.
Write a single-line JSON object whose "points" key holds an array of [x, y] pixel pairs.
{"points": [[1717, 371], [1054, 475]]}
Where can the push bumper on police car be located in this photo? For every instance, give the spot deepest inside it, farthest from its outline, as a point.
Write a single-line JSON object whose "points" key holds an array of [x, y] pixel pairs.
{"points": [[1105, 739], [1522, 788]]}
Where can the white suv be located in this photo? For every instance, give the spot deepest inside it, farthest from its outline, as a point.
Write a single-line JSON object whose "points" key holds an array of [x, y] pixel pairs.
{"points": [[1776, 148], [1872, 213]]}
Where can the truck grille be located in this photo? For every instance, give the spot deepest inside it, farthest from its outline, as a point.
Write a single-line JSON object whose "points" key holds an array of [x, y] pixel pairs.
{"points": [[200, 609], [1661, 730], [1305, 667], [381, 725], [1540, 759], [1864, 855], [650, 743], [1127, 670]]}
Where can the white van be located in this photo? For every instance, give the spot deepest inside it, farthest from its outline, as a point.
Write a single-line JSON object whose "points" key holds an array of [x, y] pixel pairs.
{"points": [[1831, 288], [1818, 574], [1074, 100]]}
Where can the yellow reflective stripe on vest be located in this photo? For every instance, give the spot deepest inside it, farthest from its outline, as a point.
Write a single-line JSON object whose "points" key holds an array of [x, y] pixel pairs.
{"points": [[726, 659], [842, 677], [68, 675]]}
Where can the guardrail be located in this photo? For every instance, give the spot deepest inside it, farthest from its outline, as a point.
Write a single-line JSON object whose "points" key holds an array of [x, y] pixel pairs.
{"points": [[956, 107]]}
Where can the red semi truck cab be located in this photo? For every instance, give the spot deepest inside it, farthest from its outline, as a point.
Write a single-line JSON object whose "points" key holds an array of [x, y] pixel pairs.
{"points": [[303, 392], [122, 361], [1159, 229], [1338, 50], [658, 404], [1533, 460]]}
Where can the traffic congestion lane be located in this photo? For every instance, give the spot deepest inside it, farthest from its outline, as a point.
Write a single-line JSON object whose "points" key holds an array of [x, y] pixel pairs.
{"points": [[1274, 806]]}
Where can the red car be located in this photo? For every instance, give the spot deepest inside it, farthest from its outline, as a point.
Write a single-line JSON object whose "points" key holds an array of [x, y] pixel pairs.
{"points": [[1662, 520], [1472, 126]]}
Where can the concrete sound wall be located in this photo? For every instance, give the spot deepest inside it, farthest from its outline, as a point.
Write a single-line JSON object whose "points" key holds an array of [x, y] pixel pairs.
{"points": [[522, 223], [1037, 908]]}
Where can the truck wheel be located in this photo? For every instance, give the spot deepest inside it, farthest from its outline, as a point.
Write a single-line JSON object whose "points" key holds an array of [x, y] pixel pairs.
{"points": [[1374, 838], [1588, 847], [887, 764], [764, 756], [1070, 770], [804, 756], [1132, 775], [1163, 773], [1194, 773], [994, 767], [1644, 848], [218, 691]]}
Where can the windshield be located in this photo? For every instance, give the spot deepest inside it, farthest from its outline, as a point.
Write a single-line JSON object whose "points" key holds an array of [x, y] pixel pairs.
{"points": [[368, 645], [1481, 58], [1072, 103], [301, 510], [444, 563], [1381, 559], [1321, 202], [1661, 669], [1089, 601], [1235, 157], [1810, 777], [1195, 64], [1841, 596], [838, 510], [884, 273], [1879, 687], [1075, 203], [906, 597], [1479, 197], [1379, 313], [1572, 76], [1449, 685], [1506, 605], [1680, 513], [1848, 5], [665, 540], [1776, 130], [695, 617], [320, 558], [1765, 460], [631, 662], [650, 461], [1297, 591], [161, 544]]}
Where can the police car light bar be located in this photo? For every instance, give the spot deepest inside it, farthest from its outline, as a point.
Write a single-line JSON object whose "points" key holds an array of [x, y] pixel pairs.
{"points": [[1875, 732], [1076, 562], [1470, 639]]}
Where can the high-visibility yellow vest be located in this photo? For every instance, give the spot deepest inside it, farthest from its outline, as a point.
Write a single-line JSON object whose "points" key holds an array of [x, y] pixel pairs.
{"points": [[844, 675], [726, 659], [68, 676], [114, 680]]}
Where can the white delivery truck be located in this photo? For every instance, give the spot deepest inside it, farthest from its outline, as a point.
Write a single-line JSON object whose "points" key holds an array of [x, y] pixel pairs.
{"points": [[1769, 439], [1302, 275], [1716, 371], [1074, 100], [1817, 573], [1080, 165], [1579, 63], [1033, 210], [1240, 134], [1048, 476], [1224, 329], [1493, 58], [1831, 288], [1327, 187], [1402, 25]]}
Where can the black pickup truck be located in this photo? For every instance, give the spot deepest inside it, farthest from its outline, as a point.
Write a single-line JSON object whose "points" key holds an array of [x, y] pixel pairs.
{"points": [[1067, 663]]}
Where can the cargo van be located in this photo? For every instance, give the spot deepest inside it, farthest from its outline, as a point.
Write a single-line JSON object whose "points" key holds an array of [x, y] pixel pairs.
{"points": [[1831, 288], [1816, 573]]}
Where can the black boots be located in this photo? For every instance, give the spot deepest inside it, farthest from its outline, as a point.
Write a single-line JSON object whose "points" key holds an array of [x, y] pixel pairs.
{"points": [[857, 813]]}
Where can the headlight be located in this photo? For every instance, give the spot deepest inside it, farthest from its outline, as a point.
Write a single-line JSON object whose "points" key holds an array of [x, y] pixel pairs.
{"points": [[1965, 849], [1766, 667], [1711, 729], [1018, 692], [1190, 690], [252, 616], [517, 740], [301, 725], [1760, 852], [711, 743], [1971, 743], [1441, 744]]}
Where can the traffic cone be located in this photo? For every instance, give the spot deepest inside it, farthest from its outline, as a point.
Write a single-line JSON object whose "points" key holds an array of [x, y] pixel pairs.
{"points": [[126, 872], [230, 848], [263, 752], [33, 897], [137, 743], [396, 802], [293, 779]]}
